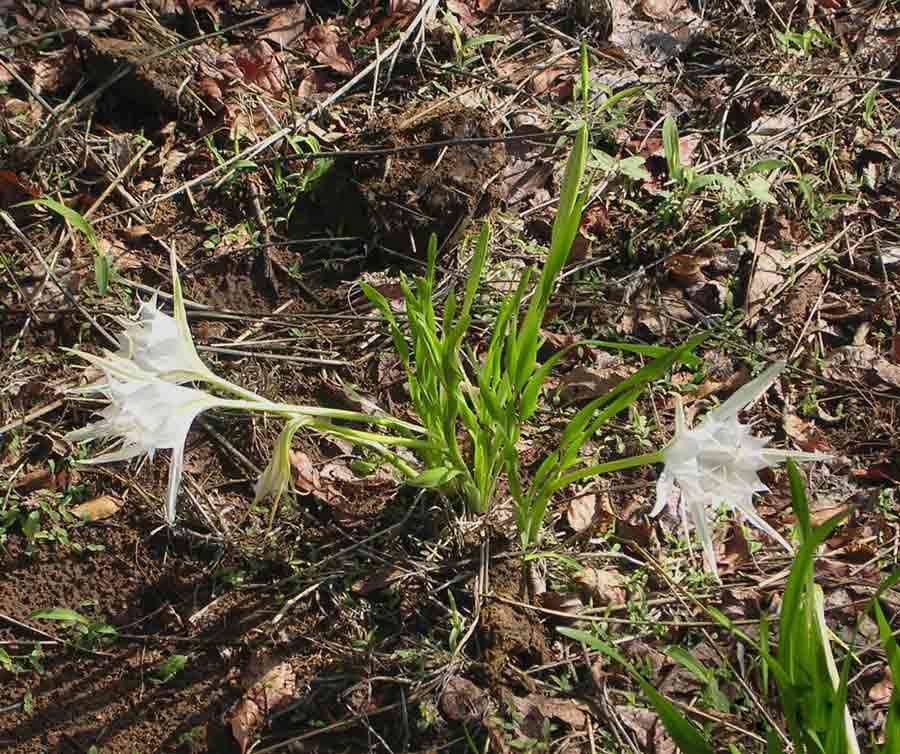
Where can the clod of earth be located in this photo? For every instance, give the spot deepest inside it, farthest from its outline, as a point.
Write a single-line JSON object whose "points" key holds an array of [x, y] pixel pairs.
{"points": [[153, 87], [400, 199]]}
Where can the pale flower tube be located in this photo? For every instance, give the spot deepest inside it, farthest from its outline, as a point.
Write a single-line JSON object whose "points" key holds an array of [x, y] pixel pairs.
{"points": [[716, 465]]}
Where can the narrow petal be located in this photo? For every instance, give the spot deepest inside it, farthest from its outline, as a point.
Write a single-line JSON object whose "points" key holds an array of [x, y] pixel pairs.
{"points": [[773, 456], [123, 454], [175, 470], [746, 394], [747, 510], [680, 420], [665, 485], [697, 510]]}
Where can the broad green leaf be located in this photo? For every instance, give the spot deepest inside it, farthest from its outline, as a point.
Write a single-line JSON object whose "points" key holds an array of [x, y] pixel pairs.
{"points": [[76, 219], [435, 477], [61, 614], [766, 166], [101, 273]]}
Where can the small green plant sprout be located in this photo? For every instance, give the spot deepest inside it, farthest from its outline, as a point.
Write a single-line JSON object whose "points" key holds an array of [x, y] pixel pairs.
{"points": [[166, 671], [493, 395], [87, 632], [102, 263]]}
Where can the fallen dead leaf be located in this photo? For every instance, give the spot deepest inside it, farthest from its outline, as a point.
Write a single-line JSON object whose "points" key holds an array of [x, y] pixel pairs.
{"points": [[639, 721], [38, 479], [603, 586], [260, 66], [285, 28], [881, 692], [889, 373], [463, 700], [770, 271], [97, 509], [804, 433], [266, 692], [326, 47], [581, 510], [538, 708], [378, 581], [661, 9], [307, 479]]}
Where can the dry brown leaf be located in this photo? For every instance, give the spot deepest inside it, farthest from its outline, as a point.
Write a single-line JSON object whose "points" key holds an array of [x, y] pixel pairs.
{"points": [[881, 692], [38, 479], [603, 586], [889, 373], [685, 269], [639, 721], [378, 581], [585, 383], [463, 700], [539, 708], [97, 509], [770, 271], [266, 692], [324, 44], [581, 511], [285, 28], [560, 602], [173, 159], [260, 66], [804, 433], [661, 9], [307, 479]]}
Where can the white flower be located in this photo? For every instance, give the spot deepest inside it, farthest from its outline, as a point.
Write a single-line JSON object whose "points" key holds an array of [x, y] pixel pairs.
{"points": [[158, 344], [716, 465], [145, 414], [162, 345]]}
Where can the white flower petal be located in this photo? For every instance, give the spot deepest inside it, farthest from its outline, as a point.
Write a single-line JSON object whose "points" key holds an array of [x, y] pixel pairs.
{"points": [[146, 415], [716, 465], [748, 393]]}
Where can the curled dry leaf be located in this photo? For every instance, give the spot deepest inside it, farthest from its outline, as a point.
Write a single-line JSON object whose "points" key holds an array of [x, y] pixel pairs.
{"points": [[661, 10], [769, 271], [537, 708], [285, 28], [266, 692], [327, 48], [602, 586], [97, 509], [463, 700], [305, 475], [881, 692], [581, 510], [260, 66]]}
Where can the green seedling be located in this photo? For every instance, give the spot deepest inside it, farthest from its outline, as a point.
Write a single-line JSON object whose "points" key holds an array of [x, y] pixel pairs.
{"points": [[166, 671], [103, 269], [88, 633]]}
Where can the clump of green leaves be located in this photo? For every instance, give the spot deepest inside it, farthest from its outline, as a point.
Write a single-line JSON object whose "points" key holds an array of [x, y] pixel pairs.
{"points": [[492, 396]]}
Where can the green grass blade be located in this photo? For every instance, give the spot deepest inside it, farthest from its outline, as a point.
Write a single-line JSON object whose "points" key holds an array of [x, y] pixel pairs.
{"points": [[670, 147], [687, 736]]}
